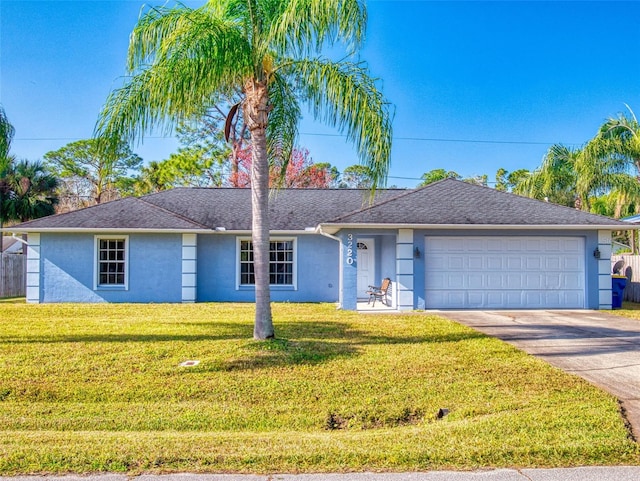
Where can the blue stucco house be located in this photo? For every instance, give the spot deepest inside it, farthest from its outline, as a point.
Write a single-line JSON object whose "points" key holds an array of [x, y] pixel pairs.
{"points": [[449, 245]]}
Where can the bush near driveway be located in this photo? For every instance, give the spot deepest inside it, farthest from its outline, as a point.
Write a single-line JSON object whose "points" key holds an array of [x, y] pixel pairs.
{"points": [[90, 388]]}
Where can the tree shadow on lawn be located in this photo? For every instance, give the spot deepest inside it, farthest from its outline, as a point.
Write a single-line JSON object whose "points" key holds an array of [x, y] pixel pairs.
{"points": [[305, 343], [301, 342]]}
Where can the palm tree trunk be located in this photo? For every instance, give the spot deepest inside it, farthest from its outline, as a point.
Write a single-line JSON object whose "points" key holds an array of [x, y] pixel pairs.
{"points": [[256, 114]]}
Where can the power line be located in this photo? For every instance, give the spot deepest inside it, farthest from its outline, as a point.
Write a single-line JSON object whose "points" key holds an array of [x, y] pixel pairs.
{"points": [[435, 139], [415, 139]]}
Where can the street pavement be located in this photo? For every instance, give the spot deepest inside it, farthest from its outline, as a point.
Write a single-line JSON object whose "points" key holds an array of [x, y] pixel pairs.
{"points": [[600, 473]]}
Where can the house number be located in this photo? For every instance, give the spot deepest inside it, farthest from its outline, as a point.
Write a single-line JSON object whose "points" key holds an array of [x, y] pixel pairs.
{"points": [[350, 249]]}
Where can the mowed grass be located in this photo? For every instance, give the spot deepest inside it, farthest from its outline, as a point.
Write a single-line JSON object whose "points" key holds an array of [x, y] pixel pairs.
{"points": [[94, 388]]}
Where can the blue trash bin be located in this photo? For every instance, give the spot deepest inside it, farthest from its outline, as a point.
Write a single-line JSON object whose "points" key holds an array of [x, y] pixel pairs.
{"points": [[618, 283]]}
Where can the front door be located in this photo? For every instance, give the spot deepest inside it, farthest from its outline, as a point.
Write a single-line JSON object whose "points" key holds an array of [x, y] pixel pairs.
{"points": [[366, 266]]}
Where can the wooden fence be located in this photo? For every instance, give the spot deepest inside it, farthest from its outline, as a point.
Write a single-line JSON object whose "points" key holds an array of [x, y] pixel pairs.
{"points": [[13, 275], [631, 269]]}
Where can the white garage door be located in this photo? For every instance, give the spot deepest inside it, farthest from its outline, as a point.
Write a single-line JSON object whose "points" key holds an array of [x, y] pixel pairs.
{"points": [[504, 272]]}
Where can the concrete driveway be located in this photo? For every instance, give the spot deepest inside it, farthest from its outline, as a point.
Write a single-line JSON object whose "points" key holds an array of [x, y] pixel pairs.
{"points": [[602, 348]]}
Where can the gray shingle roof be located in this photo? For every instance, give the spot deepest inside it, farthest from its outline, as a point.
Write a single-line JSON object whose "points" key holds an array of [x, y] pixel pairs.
{"points": [[454, 202], [205, 208], [448, 202], [289, 209], [128, 213]]}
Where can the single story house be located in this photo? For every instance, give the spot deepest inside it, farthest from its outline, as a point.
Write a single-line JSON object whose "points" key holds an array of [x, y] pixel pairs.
{"points": [[449, 245]]}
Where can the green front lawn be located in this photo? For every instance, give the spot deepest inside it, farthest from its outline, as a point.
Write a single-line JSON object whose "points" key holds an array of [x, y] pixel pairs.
{"points": [[88, 388]]}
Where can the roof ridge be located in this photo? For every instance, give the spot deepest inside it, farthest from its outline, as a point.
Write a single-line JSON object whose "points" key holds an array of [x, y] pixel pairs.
{"points": [[375, 205], [175, 214]]}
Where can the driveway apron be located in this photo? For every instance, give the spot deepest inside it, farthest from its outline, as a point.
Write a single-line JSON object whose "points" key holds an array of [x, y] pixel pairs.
{"points": [[600, 347]]}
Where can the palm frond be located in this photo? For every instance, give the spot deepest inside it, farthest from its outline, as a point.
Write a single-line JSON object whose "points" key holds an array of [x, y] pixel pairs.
{"points": [[282, 130], [6, 135], [304, 26], [344, 96], [189, 69]]}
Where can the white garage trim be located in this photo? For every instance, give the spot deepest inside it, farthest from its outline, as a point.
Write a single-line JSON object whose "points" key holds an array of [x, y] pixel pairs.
{"points": [[504, 272]]}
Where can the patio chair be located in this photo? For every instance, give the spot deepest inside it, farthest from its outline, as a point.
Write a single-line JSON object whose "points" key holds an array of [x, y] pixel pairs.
{"points": [[379, 292]]}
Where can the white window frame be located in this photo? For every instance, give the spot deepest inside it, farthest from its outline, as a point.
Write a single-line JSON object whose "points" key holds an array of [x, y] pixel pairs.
{"points": [[294, 269], [96, 263]]}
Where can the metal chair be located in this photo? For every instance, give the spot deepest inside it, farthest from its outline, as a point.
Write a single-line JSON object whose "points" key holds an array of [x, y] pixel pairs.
{"points": [[376, 292]]}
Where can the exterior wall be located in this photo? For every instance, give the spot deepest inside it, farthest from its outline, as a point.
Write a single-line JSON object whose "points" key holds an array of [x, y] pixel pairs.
{"points": [[189, 267], [605, 298], [33, 269], [316, 268], [67, 269], [405, 266]]}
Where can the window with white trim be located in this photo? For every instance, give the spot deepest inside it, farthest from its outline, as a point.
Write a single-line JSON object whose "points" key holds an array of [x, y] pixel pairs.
{"points": [[111, 261], [281, 262]]}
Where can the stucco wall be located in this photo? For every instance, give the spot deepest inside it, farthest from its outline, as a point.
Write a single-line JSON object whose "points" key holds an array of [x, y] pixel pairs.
{"points": [[68, 269], [316, 270]]}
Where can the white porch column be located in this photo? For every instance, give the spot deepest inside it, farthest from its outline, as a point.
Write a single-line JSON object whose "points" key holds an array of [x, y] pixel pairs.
{"points": [[404, 270], [604, 269], [189, 267], [33, 269]]}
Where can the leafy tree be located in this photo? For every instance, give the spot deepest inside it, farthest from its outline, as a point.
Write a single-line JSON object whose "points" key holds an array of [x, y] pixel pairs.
{"points": [[217, 137], [299, 172], [182, 59], [477, 179], [507, 181], [91, 174], [187, 168], [331, 173], [436, 175], [356, 177]]}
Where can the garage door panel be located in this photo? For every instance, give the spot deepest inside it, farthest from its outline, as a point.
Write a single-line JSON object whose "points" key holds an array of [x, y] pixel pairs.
{"points": [[533, 263], [532, 280], [495, 281], [514, 263], [455, 262], [554, 280], [494, 263], [475, 245], [494, 244], [572, 280], [573, 246], [505, 272], [514, 281], [475, 262], [553, 263]]}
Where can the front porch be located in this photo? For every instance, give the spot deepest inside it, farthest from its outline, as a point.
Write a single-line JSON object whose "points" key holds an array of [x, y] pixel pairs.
{"points": [[371, 257], [364, 306]]}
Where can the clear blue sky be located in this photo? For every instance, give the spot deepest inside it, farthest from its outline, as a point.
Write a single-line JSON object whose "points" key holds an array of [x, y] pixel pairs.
{"points": [[475, 85]]}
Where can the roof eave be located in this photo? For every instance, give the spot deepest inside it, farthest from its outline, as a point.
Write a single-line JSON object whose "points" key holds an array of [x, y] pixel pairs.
{"points": [[330, 228], [121, 230]]}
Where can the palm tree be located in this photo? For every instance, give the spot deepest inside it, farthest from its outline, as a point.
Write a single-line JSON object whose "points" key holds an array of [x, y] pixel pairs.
{"points": [[31, 192], [6, 161], [574, 176], [623, 136], [267, 52]]}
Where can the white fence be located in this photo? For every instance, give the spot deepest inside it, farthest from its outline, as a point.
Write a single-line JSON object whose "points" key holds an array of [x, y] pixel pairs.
{"points": [[13, 275], [631, 270]]}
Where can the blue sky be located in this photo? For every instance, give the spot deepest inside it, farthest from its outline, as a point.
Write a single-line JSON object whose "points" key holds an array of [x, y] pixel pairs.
{"points": [[475, 85]]}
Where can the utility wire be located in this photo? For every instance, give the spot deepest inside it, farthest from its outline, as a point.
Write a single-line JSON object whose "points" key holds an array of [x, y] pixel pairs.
{"points": [[416, 139]]}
